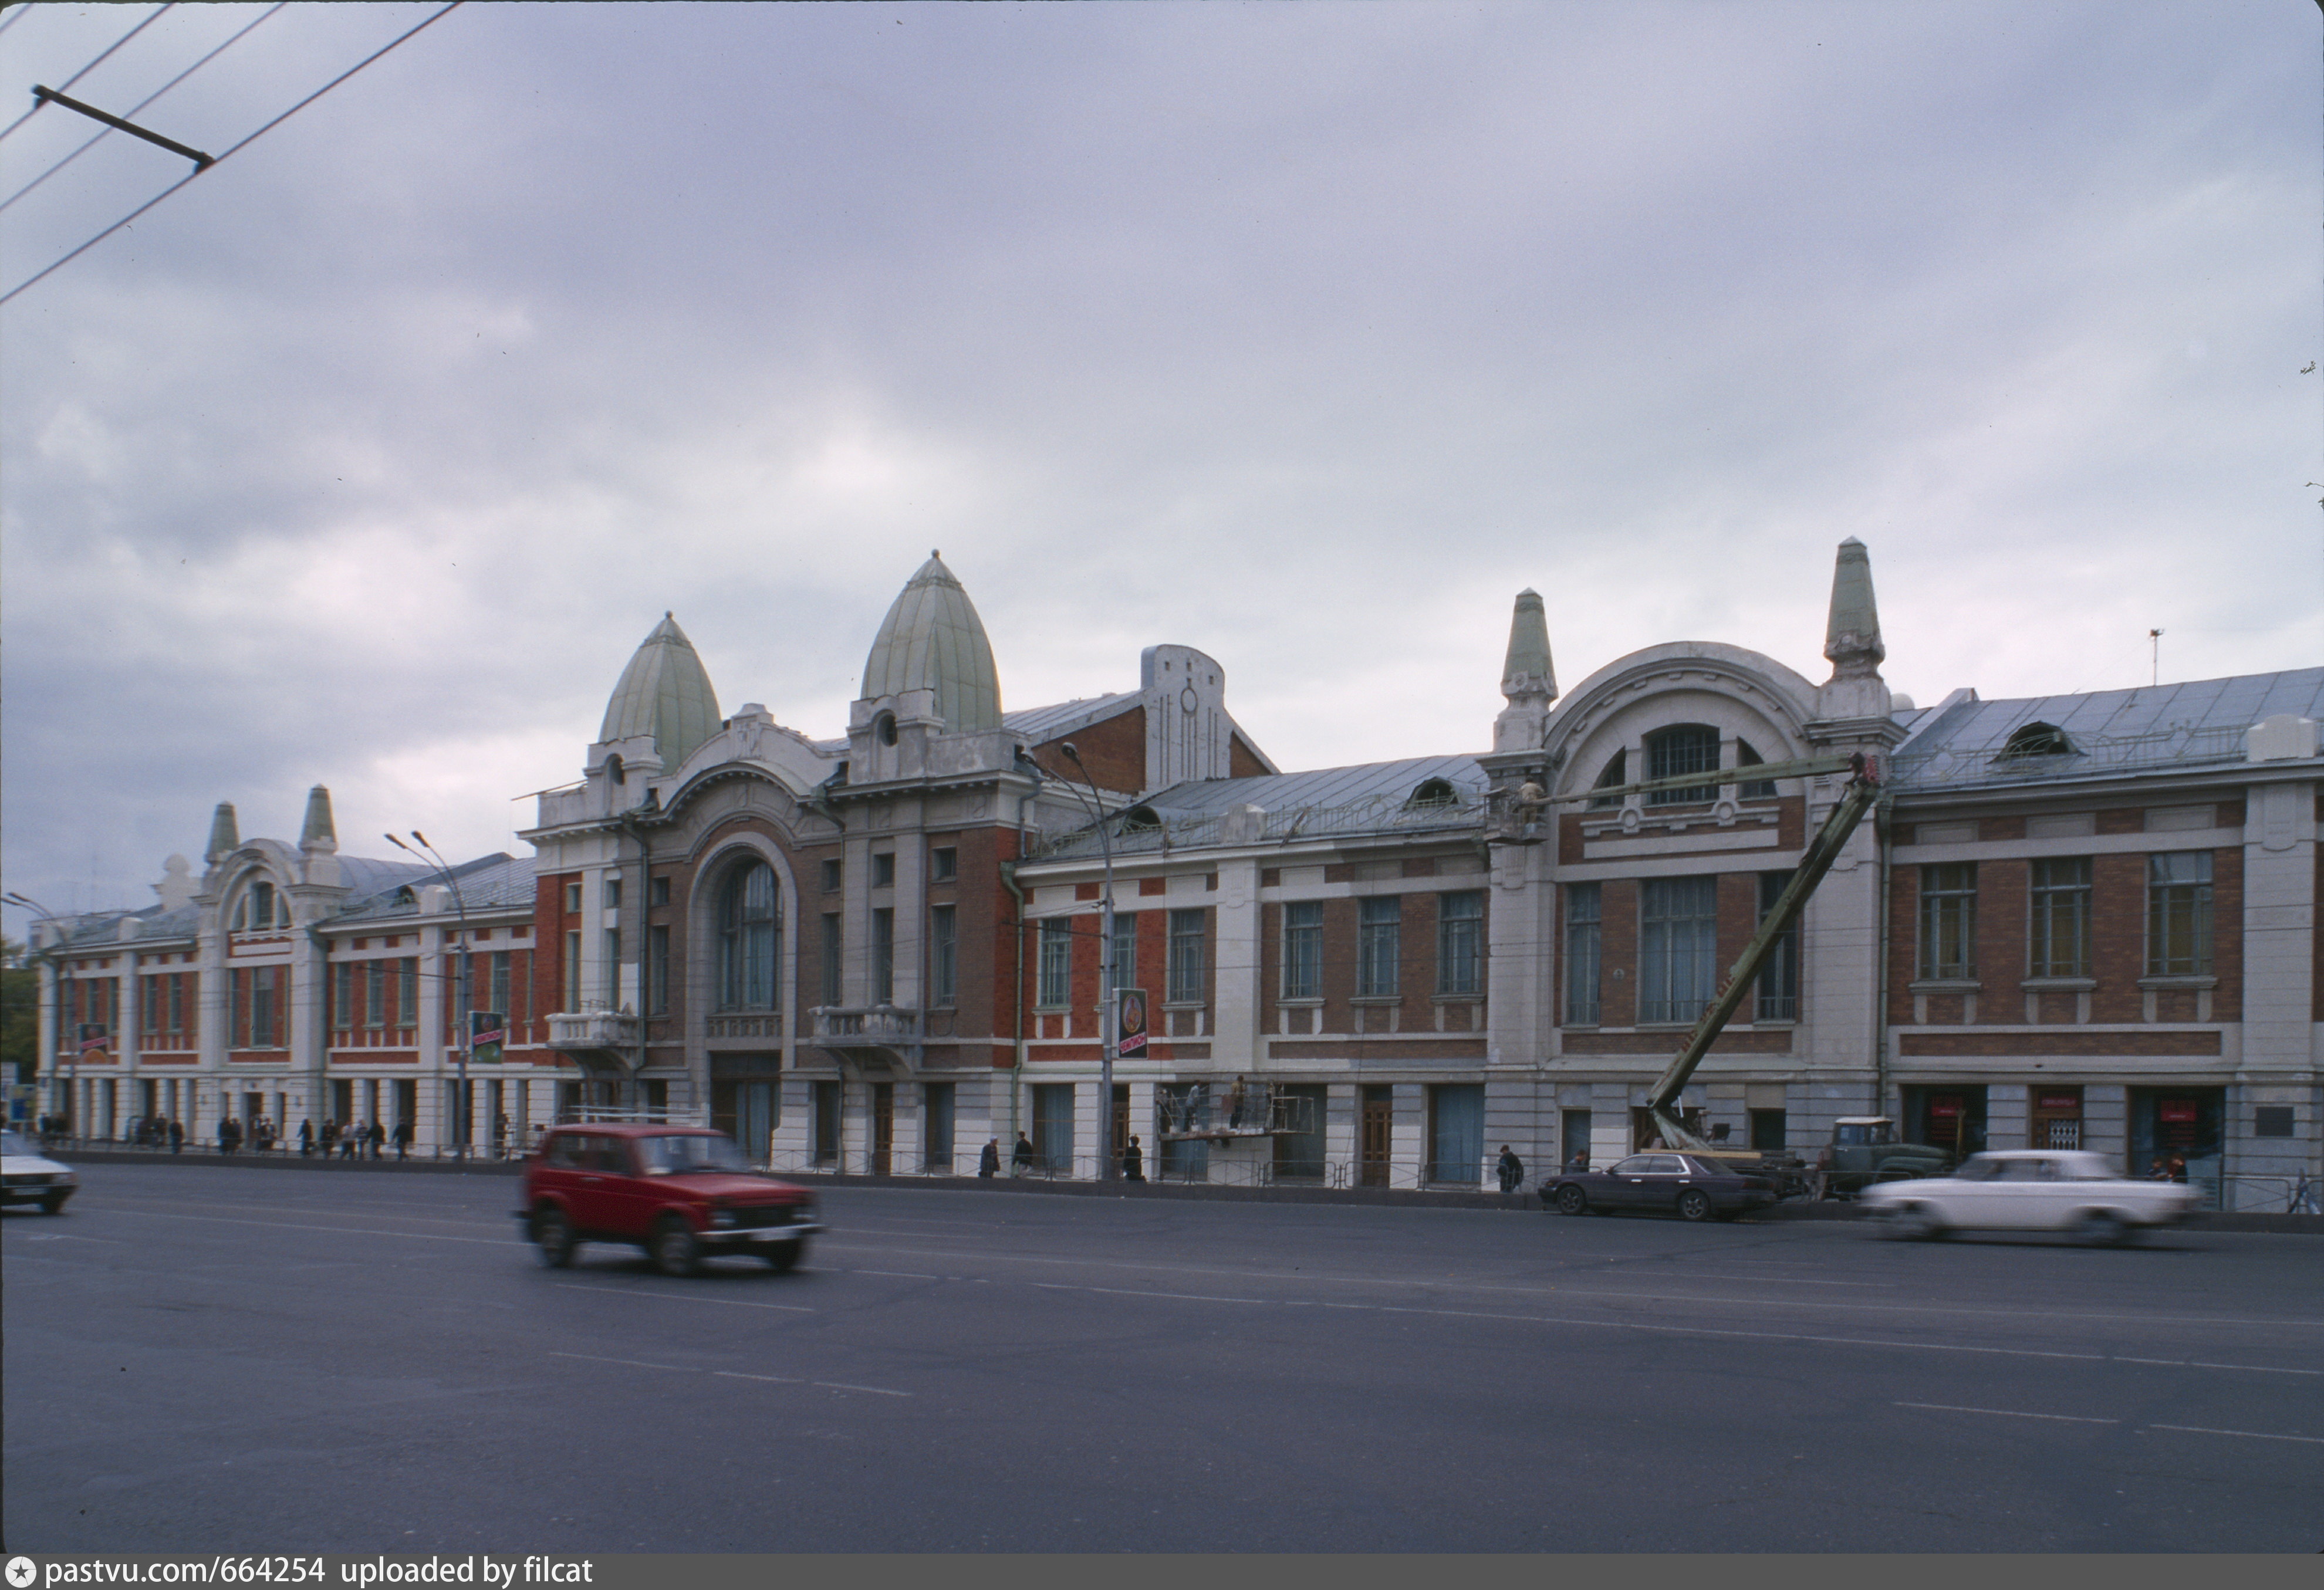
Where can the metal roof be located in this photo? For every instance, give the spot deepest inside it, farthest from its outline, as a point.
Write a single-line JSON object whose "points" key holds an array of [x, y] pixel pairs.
{"points": [[932, 640], [2156, 728], [1040, 723], [1369, 797]]}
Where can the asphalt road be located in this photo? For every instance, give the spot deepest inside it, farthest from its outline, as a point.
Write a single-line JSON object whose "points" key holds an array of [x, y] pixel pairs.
{"points": [[220, 1358]]}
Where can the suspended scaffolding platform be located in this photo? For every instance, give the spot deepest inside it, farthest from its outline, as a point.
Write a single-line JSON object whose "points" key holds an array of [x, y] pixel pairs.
{"points": [[1216, 1114]]}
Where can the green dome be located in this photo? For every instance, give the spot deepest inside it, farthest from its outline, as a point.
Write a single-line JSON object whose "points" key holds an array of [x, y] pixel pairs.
{"points": [[664, 693], [932, 640]]}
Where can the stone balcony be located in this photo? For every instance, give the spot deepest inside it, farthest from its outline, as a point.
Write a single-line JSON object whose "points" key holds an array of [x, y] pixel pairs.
{"points": [[594, 1037], [865, 1026]]}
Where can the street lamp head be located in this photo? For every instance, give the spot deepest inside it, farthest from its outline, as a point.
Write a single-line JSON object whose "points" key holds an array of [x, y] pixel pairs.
{"points": [[398, 843], [1072, 755], [421, 837]]}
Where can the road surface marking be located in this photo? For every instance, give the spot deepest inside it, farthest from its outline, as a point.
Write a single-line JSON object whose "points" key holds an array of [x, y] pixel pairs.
{"points": [[1117, 1292], [2009, 1413], [900, 1274], [837, 1385], [2256, 1435], [679, 1297], [789, 1380], [632, 1362]]}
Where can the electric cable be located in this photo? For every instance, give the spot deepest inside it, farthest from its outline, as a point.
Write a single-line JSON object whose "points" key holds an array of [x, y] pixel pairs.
{"points": [[141, 104], [130, 113], [230, 152], [11, 21], [91, 67]]}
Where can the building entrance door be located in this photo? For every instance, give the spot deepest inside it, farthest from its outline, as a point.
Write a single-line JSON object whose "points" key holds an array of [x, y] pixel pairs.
{"points": [[1378, 1136], [2057, 1118], [884, 1128]]}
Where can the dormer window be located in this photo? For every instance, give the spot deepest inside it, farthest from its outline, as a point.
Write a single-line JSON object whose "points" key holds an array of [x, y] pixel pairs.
{"points": [[2036, 740], [1676, 751], [1140, 820], [1433, 792], [255, 911], [884, 726]]}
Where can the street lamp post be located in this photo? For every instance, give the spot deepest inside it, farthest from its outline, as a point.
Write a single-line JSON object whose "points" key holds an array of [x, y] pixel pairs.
{"points": [[1108, 1018], [460, 995], [57, 992]]}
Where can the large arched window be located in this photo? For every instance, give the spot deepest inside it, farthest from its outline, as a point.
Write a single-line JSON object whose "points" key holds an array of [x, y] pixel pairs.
{"points": [[1677, 751], [749, 938]]}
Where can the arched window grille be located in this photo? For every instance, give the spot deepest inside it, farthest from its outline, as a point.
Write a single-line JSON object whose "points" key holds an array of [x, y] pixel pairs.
{"points": [[749, 938], [254, 912]]}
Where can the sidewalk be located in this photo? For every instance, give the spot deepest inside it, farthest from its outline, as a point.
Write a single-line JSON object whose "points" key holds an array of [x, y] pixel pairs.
{"points": [[1405, 1198]]}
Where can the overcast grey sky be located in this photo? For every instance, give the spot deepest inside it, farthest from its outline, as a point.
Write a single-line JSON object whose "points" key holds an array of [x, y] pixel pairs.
{"points": [[1305, 334]]}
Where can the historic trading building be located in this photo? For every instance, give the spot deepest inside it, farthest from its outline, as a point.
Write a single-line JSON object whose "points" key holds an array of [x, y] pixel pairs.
{"points": [[2082, 920]]}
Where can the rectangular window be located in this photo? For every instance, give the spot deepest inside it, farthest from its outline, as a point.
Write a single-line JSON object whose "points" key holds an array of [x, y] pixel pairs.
{"points": [[573, 899], [1185, 979], [657, 892], [1053, 1127], [500, 982], [613, 894], [1678, 947], [1056, 967], [1125, 949], [944, 959], [2178, 915], [883, 870], [374, 993], [1677, 752], [2060, 931], [612, 978], [573, 971], [1582, 950], [343, 996], [657, 970], [883, 956], [1779, 979], [1303, 950], [1949, 919], [831, 958], [261, 1007], [831, 875], [944, 865], [177, 1002], [1460, 943], [1379, 927]]}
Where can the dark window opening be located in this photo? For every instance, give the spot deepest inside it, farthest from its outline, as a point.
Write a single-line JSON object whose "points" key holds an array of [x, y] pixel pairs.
{"points": [[1675, 752], [2036, 740]]}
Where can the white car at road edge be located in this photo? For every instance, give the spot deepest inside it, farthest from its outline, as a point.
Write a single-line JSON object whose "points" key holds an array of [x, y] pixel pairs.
{"points": [[2029, 1189], [27, 1176]]}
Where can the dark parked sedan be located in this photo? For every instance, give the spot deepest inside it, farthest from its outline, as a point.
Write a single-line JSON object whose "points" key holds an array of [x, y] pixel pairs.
{"points": [[1660, 1184]]}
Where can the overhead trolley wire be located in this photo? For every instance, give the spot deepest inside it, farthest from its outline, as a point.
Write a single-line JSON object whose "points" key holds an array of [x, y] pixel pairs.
{"points": [[236, 149], [141, 104], [91, 67]]}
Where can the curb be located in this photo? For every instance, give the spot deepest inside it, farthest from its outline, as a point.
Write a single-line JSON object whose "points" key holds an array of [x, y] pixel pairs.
{"points": [[1179, 1191]]}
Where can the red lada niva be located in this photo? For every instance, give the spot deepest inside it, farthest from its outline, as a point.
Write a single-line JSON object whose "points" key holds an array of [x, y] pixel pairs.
{"points": [[679, 1192]]}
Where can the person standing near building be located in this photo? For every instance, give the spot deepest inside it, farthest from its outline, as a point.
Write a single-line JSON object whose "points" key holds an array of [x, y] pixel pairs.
{"points": [[403, 1139], [307, 1137], [1020, 1158], [378, 1138], [176, 1135], [988, 1164], [1512, 1170], [1133, 1161]]}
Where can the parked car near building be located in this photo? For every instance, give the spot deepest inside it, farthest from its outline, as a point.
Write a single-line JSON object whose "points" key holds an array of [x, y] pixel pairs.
{"points": [[2030, 1190], [26, 1176], [679, 1192], [1681, 1184]]}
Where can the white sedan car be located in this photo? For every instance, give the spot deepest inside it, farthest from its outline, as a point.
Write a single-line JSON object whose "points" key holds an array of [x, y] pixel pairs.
{"points": [[2029, 1189], [28, 1177]]}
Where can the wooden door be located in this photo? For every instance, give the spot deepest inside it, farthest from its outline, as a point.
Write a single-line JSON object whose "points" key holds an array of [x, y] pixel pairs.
{"points": [[1378, 1134], [884, 1128]]}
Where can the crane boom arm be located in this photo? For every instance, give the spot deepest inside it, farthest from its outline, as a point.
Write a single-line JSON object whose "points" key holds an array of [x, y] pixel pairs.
{"points": [[1863, 791]]}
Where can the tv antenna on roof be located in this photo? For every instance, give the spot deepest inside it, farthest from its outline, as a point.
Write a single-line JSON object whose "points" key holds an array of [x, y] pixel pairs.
{"points": [[2154, 640]]}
